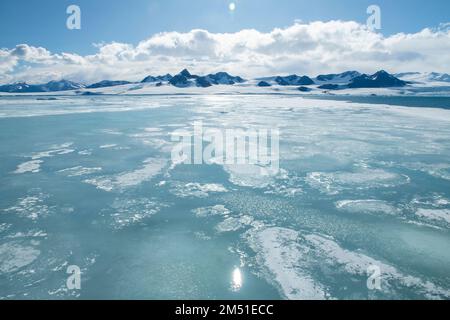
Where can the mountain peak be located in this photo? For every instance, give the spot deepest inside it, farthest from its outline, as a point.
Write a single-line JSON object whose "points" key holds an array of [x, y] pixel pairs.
{"points": [[61, 85], [294, 80], [185, 73], [380, 79]]}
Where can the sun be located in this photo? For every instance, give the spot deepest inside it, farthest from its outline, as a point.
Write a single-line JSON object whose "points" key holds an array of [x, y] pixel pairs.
{"points": [[232, 6]]}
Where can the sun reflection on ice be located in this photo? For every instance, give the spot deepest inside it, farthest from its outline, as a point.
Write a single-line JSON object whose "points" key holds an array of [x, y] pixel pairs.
{"points": [[236, 280]]}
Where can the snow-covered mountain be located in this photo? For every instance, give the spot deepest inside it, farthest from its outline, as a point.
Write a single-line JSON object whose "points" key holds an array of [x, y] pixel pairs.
{"points": [[20, 87], [338, 78], [62, 85], [185, 73], [52, 86], [150, 79], [424, 77], [223, 78], [412, 82], [294, 80], [181, 81], [354, 80], [186, 79], [291, 80], [107, 83], [263, 83], [380, 79]]}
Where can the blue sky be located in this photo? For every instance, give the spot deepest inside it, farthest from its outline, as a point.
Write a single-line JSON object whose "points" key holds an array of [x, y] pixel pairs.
{"points": [[42, 23], [130, 39]]}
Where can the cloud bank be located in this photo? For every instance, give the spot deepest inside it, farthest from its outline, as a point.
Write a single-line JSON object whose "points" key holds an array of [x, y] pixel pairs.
{"points": [[313, 48]]}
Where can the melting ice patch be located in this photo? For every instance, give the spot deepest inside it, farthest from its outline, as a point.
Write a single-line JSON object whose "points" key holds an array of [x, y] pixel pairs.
{"points": [[60, 149], [363, 178], [85, 152], [230, 223], [159, 144], [285, 184], [28, 234], [79, 171], [439, 170], [31, 207], [108, 146], [434, 200], [147, 132], [154, 137], [32, 166], [217, 210], [234, 223], [151, 167], [292, 259], [198, 190], [114, 132], [434, 214], [278, 251], [14, 256], [128, 212], [433, 209], [248, 175], [366, 206], [4, 227], [358, 263]]}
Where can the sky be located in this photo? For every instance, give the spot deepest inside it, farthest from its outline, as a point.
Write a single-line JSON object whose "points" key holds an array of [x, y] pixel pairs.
{"points": [[130, 39]]}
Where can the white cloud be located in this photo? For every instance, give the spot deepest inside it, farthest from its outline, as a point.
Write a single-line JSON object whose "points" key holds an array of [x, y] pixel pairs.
{"points": [[32, 54], [7, 61], [317, 47]]}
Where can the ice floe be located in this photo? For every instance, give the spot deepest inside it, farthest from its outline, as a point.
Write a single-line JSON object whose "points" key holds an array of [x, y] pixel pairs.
{"points": [[438, 170], [248, 175], [14, 256], [278, 251], [60, 149], [362, 178], [32, 166], [217, 210], [4, 226], [229, 222], [433, 209], [358, 263], [292, 258], [195, 189], [367, 206], [128, 212], [434, 214], [108, 146], [151, 167], [79, 171], [32, 207], [234, 223]]}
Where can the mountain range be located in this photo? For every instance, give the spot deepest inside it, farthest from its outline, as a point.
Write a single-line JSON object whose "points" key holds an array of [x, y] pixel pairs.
{"points": [[419, 77], [353, 80], [345, 80], [52, 86]]}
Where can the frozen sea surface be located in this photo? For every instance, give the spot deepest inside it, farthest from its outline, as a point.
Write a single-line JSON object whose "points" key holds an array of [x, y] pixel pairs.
{"points": [[89, 181]]}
